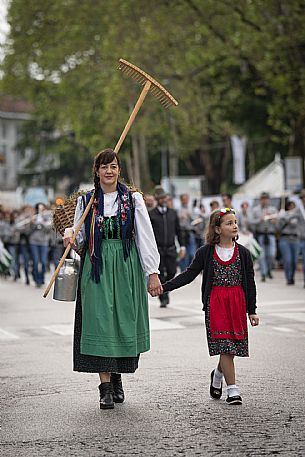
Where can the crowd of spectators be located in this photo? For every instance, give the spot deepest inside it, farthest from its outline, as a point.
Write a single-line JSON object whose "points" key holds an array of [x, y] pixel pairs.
{"points": [[32, 246], [275, 235], [28, 236]]}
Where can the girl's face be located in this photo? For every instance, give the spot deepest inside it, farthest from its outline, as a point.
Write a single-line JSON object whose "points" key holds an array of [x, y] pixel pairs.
{"points": [[228, 227], [109, 173]]}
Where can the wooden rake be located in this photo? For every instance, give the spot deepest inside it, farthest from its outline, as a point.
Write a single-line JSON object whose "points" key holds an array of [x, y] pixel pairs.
{"points": [[166, 100]]}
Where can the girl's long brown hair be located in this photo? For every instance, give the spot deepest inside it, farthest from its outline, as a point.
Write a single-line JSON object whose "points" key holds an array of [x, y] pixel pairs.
{"points": [[211, 237]]}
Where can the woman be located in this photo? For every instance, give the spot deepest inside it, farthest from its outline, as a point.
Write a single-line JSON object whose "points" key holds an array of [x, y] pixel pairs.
{"points": [[118, 248], [289, 243], [12, 244], [41, 226], [23, 226]]}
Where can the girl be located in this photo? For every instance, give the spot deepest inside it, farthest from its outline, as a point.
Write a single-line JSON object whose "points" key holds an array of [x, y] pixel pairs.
{"points": [[118, 246], [228, 293]]}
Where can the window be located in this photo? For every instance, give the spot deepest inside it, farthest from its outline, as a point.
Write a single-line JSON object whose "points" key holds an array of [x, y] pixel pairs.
{"points": [[2, 154], [3, 129]]}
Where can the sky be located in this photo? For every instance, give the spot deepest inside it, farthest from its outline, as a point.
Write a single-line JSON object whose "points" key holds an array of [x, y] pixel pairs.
{"points": [[3, 24]]}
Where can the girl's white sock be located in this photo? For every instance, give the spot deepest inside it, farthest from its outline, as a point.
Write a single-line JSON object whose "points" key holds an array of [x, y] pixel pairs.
{"points": [[217, 379], [232, 390]]}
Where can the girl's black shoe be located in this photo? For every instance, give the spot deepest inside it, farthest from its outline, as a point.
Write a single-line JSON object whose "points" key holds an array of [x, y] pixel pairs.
{"points": [[106, 395], [118, 392], [235, 400], [215, 392]]}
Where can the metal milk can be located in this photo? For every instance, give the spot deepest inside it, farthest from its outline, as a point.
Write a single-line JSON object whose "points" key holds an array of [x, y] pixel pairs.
{"points": [[66, 281]]}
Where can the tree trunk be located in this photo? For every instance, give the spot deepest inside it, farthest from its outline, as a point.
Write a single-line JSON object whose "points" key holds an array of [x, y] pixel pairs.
{"points": [[172, 148], [136, 160], [144, 163], [298, 141], [129, 168], [224, 162]]}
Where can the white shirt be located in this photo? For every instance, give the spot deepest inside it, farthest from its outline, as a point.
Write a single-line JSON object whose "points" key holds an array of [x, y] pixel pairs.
{"points": [[144, 235], [225, 254], [162, 209]]}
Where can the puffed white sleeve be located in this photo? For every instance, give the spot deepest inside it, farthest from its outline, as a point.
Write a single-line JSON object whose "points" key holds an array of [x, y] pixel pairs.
{"points": [[144, 237], [80, 237]]}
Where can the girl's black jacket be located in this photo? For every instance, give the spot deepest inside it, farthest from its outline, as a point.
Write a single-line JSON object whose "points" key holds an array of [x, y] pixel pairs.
{"points": [[203, 261]]}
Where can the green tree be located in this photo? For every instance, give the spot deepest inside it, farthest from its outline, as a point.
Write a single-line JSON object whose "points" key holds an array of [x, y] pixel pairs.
{"points": [[234, 67]]}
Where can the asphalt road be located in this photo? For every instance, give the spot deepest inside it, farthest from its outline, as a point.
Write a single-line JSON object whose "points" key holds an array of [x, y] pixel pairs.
{"points": [[47, 410]]}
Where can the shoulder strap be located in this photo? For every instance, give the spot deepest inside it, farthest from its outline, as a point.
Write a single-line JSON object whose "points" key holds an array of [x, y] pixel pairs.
{"points": [[88, 196]]}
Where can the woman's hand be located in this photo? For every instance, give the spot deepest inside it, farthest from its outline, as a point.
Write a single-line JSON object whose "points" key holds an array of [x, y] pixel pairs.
{"points": [[254, 319], [154, 286], [182, 253], [67, 238], [67, 241]]}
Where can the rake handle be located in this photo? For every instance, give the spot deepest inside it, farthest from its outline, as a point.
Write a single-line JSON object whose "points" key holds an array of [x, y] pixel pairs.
{"points": [[67, 250], [133, 115], [116, 149]]}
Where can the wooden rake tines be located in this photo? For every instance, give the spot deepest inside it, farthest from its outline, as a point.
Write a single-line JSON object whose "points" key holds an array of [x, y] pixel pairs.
{"points": [[164, 97]]}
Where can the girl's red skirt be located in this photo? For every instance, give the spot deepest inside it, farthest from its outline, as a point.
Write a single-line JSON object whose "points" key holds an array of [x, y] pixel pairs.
{"points": [[226, 321]]}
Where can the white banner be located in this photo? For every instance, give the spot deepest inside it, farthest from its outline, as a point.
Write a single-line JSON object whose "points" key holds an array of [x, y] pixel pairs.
{"points": [[239, 155], [293, 173]]}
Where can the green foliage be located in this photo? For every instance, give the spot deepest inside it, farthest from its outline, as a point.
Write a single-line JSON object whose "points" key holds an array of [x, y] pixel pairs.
{"points": [[234, 67]]}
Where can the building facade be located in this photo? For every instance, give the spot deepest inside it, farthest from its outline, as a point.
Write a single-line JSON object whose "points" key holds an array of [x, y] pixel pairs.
{"points": [[13, 113]]}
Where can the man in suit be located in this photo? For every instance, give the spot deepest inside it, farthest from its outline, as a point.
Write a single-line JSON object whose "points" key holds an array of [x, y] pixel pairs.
{"points": [[166, 227]]}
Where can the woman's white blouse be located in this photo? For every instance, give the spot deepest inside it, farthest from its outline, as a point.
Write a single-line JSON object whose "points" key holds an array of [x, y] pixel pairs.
{"points": [[144, 235], [225, 254]]}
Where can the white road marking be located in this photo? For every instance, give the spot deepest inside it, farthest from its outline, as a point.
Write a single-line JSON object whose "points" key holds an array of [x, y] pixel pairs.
{"points": [[300, 317], [155, 324], [287, 312], [281, 302], [187, 310], [158, 324], [283, 329], [60, 329], [187, 305], [4, 335]]}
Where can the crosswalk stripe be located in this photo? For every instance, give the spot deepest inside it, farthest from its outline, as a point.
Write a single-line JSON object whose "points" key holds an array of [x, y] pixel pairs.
{"points": [[4, 335], [300, 317], [158, 324], [283, 329], [155, 324], [281, 302], [60, 329]]}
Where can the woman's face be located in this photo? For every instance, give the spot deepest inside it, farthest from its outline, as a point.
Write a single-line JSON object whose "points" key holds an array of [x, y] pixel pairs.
{"points": [[108, 173]]}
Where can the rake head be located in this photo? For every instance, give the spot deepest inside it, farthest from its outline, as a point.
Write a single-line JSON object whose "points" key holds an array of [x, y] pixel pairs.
{"points": [[141, 77]]}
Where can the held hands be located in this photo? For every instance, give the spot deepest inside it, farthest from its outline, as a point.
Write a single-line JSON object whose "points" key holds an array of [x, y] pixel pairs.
{"points": [[182, 253], [154, 286], [254, 319]]}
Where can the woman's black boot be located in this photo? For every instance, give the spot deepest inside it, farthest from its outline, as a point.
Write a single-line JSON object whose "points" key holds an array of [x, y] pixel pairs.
{"points": [[118, 392], [106, 395]]}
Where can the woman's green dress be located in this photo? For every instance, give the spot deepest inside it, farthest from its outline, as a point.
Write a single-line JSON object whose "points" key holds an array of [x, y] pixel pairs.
{"points": [[111, 318]]}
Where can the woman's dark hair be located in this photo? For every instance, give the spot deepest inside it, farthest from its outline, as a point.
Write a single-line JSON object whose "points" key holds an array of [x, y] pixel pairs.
{"points": [[289, 204], [225, 194], [103, 158], [211, 237], [38, 205]]}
